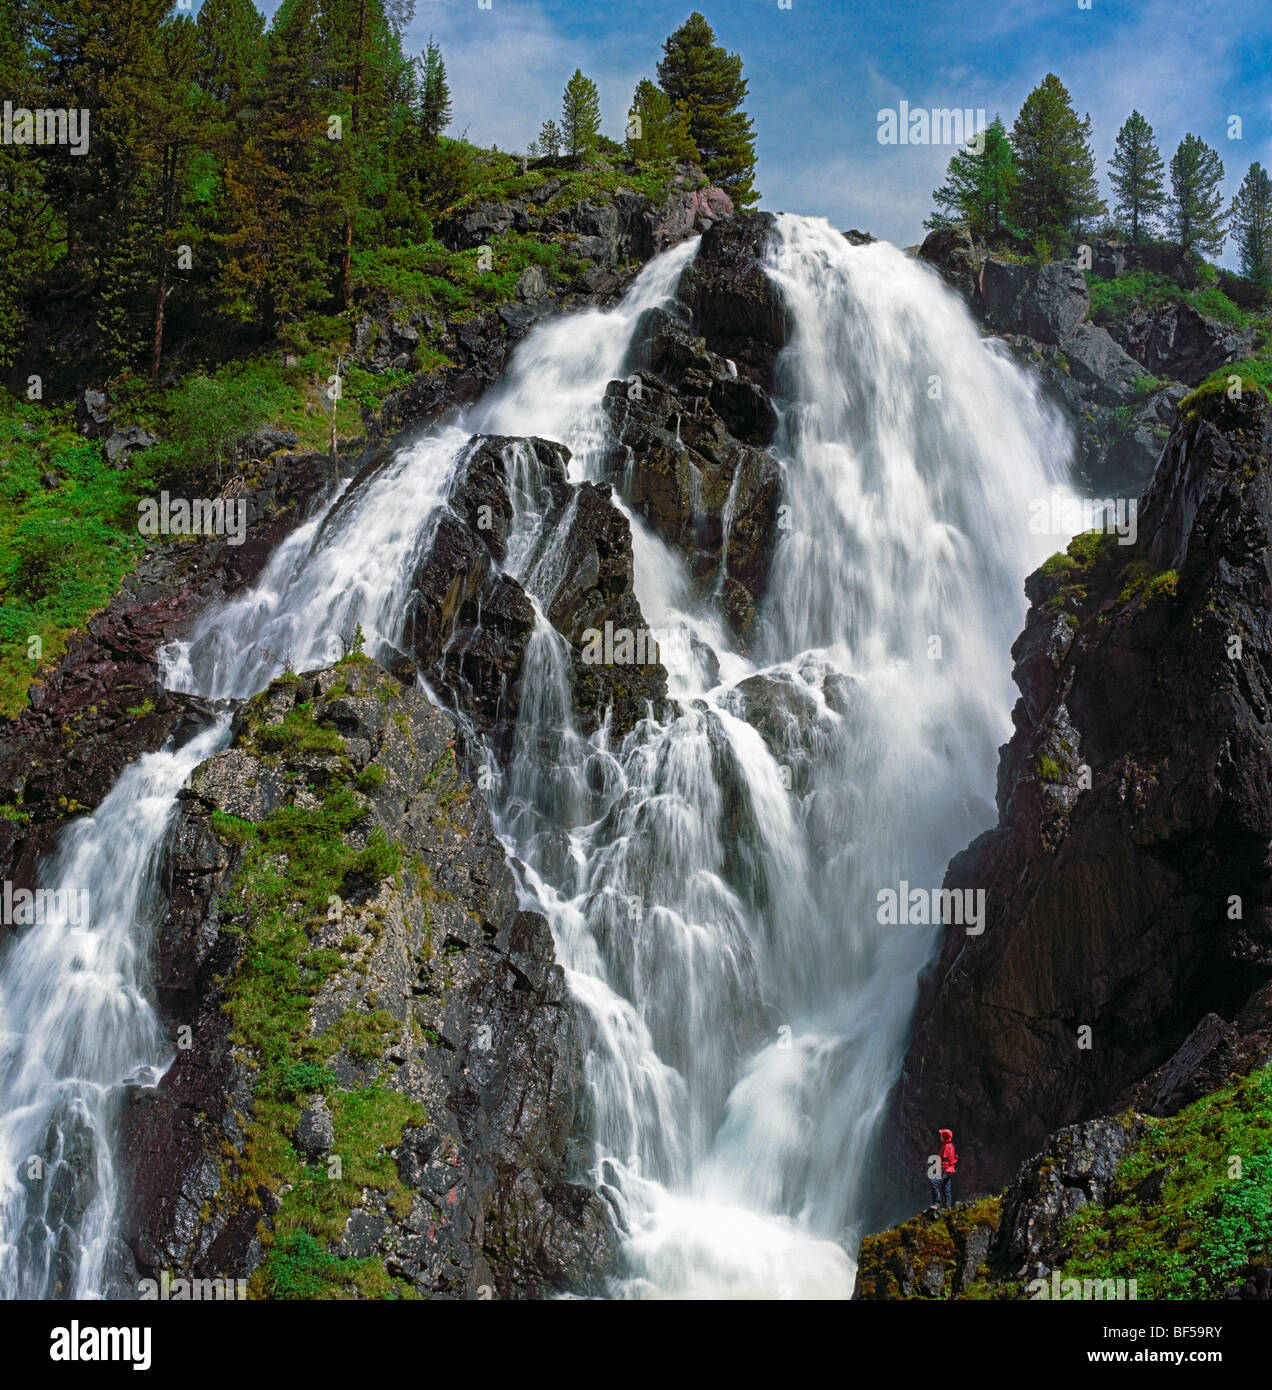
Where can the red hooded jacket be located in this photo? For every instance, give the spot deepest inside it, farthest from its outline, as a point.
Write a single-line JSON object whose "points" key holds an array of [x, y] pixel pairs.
{"points": [[949, 1159]]}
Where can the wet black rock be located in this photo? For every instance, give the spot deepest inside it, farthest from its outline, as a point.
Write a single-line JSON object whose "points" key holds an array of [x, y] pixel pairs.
{"points": [[736, 306], [1178, 342], [1135, 809], [471, 621]]}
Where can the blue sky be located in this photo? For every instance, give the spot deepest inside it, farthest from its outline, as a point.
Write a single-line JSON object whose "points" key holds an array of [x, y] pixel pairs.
{"points": [[821, 70]]}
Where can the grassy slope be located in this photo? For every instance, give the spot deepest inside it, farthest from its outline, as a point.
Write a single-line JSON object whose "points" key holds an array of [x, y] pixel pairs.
{"points": [[1113, 300], [1191, 1209]]}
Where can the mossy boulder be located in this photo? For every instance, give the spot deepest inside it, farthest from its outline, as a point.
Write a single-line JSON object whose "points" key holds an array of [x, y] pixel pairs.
{"points": [[382, 1072]]}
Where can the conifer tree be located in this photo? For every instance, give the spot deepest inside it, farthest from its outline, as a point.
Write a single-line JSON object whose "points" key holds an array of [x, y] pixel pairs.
{"points": [[1137, 173], [29, 227], [172, 130], [1250, 222], [231, 50], [549, 141], [703, 80], [657, 130], [1055, 191], [1195, 207], [978, 185], [281, 199], [580, 116], [435, 99]]}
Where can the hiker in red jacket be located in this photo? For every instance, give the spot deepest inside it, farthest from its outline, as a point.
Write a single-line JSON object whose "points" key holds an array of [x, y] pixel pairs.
{"points": [[944, 1185]]}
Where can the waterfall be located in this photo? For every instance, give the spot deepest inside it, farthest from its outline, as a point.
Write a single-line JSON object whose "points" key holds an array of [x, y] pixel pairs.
{"points": [[78, 1028], [712, 895]]}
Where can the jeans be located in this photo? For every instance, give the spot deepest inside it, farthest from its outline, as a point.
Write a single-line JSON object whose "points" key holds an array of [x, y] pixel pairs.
{"points": [[944, 1185]]}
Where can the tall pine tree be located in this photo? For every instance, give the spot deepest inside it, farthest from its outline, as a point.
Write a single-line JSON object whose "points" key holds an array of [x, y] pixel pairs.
{"points": [[580, 116], [706, 82], [105, 58], [657, 130], [282, 199], [435, 98], [29, 230], [1136, 172], [231, 50], [1195, 208], [1250, 222], [1055, 191], [173, 127]]}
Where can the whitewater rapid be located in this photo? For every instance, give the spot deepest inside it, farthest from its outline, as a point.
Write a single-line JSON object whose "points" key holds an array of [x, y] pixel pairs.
{"points": [[744, 1010]]}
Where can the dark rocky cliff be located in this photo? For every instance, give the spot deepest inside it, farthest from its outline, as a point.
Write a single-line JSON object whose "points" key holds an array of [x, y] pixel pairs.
{"points": [[1128, 878]]}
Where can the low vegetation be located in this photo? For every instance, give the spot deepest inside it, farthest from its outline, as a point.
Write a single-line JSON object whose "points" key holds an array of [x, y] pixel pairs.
{"points": [[1213, 1214], [292, 866]]}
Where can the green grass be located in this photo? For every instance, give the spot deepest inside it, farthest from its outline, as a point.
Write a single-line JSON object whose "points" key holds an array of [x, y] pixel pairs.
{"points": [[498, 176], [1140, 579], [1208, 1225], [1255, 374], [299, 733], [1072, 570], [1112, 301], [64, 550]]}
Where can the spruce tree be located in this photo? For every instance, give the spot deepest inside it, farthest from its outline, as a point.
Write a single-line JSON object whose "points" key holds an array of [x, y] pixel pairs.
{"points": [[1136, 172], [1055, 191], [435, 99], [105, 58], [231, 50], [656, 130], [1195, 208], [172, 131], [978, 185], [580, 116], [706, 82], [1250, 222], [549, 141], [282, 197]]}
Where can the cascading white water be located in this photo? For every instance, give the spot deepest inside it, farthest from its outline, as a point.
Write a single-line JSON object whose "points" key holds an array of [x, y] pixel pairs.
{"points": [[77, 1028], [719, 918], [712, 896]]}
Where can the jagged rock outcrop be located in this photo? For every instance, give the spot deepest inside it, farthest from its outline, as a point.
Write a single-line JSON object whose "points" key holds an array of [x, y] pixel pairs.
{"points": [[929, 1256], [611, 236], [1127, 881], [1046, 302], [381, 1075], [994, 1246], [697, 486], [735, 305], [609, 231], [1134, 1205], [1179, 342], [690, 424], [1132, 456], [471, 621], [1118, 382]]}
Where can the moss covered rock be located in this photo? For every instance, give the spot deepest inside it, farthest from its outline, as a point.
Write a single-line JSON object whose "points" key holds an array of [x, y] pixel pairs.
{"points": [[377, 1080]]}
